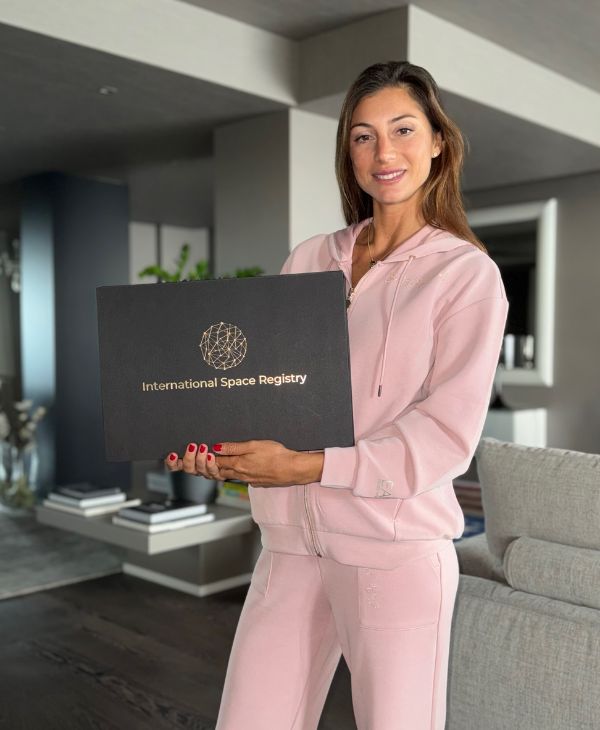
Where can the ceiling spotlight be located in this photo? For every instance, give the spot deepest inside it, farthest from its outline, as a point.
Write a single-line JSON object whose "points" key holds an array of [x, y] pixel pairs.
{"points": [[106, 90]]}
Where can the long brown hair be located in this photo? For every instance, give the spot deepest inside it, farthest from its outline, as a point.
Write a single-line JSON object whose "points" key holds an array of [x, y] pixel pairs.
{"points": [[443, 205]]}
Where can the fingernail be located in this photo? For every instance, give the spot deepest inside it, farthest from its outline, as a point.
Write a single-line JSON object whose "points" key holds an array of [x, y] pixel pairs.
{"points": [[192, 447], [172, 457], [217, 447], [203, 448]]}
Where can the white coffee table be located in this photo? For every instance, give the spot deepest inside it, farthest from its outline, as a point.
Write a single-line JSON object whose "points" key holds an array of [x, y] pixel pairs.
{"points": [[199, 560]]}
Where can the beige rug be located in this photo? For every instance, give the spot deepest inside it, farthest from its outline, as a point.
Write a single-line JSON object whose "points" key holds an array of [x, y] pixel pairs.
{"points": [[36, 557]]}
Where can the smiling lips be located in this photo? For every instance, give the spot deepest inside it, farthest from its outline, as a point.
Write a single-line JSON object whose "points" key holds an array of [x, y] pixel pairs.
{"points": [[391, 176]]}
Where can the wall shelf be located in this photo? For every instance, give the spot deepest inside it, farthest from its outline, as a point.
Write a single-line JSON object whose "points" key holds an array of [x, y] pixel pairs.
{"points": [[505, 223]]}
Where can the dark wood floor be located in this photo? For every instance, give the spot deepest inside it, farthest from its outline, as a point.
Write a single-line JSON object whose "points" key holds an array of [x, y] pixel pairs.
{"points": [[120, 653]]}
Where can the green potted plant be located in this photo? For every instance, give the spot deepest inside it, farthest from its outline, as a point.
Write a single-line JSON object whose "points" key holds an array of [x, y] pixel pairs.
{"points": [[198, 272]]}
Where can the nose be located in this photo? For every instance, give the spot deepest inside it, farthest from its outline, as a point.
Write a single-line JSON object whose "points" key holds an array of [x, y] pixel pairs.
{"points": [[384, 149]]}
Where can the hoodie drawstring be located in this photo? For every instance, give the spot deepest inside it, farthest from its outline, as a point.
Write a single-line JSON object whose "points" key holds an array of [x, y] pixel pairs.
{"points": [[387, 334]]}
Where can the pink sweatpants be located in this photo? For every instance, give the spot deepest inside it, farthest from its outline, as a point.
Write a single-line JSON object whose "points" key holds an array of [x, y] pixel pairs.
{"points": [[302, 612]]}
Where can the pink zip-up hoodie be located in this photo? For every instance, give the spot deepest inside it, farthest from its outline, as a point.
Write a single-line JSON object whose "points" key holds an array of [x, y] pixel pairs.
{"points": [[425, 330]]}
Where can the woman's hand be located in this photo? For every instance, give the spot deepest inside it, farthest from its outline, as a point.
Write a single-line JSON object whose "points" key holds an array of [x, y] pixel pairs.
{"points": [[261, 463]]}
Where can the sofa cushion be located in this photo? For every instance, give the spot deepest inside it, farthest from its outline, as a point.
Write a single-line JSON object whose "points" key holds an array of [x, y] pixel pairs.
{"points": [[557, 571], [546, 493]]}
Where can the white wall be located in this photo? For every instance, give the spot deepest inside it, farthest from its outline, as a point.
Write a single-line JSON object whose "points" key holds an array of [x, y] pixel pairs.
{"points": [[143, 248], [315, 204]]}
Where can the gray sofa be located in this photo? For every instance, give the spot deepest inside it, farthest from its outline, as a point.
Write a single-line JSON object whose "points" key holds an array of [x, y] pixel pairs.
{"points": [[525, 651]]}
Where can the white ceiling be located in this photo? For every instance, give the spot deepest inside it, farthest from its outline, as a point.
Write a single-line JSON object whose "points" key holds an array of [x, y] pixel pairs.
{"points": [[151, 131], [563, 36], [54, 116]]}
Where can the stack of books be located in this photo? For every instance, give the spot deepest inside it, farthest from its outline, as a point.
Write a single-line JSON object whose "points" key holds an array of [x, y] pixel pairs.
{"points": [[160, 516], [88, 500], [233, 493]]}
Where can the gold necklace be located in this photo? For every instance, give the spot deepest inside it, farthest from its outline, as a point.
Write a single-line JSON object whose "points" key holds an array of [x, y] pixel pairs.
{"points": [[373, 262]]}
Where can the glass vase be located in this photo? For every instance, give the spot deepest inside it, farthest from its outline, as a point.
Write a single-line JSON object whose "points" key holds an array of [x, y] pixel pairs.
{"points": [[18, 476]]}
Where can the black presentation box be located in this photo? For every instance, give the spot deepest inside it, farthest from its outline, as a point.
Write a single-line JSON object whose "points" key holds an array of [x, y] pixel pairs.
{"points": [[234, 359]]}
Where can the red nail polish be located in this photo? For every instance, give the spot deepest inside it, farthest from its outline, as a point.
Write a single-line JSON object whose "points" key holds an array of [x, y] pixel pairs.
{"points": [[172, 457], [209, 457], [202, 448], [217, 447], [192, 447]]}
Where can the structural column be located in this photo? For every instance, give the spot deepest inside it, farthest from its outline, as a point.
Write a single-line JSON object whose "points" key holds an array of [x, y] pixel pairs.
{"points": [[74, 238], [274, 187]]}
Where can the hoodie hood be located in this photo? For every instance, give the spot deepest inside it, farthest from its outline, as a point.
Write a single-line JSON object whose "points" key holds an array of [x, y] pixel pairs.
{"points": [[425, 241]]}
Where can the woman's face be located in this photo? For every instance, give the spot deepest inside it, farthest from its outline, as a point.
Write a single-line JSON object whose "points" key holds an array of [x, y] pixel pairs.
{"points": [[380, 142]]}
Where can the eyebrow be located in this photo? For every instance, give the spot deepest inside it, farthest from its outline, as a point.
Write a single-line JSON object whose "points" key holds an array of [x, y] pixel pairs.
{"points": [[391, 121]]}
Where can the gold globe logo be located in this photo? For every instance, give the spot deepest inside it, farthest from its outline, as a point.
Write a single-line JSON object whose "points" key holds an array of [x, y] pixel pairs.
{"points": [[223, 346]]}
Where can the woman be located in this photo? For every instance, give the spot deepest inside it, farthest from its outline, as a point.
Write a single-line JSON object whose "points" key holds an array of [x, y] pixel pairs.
{"points": [[358, 555]]}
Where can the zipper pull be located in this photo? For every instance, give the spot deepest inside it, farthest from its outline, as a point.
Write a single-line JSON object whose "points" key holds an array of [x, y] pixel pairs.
{"points": [[349, 297]]}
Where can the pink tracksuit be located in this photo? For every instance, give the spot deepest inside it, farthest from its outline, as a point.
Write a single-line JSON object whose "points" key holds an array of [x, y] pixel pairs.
{"points": [[362, 562]]}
